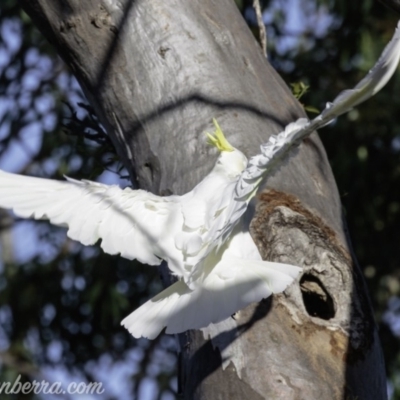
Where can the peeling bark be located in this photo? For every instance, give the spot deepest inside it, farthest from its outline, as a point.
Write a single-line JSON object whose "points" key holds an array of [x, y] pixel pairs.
{"points": [[162, 70]]}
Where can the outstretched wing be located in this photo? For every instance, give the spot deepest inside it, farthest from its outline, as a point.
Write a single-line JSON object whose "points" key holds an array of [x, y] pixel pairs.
{"points": [[133, 223]]}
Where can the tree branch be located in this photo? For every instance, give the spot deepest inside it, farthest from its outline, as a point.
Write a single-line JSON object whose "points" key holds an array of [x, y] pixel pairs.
{"points": [[261, 26]]}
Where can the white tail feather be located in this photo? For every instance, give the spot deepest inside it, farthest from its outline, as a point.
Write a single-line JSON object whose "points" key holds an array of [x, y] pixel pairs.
{"points": [[231, 285]]}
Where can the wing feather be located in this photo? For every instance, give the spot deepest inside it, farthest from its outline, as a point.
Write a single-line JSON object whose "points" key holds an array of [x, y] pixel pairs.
{"points": [[132, 223]]}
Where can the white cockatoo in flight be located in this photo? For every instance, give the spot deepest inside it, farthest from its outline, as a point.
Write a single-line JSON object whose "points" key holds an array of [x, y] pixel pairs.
{"points": [[203, 235], [215, 279]]}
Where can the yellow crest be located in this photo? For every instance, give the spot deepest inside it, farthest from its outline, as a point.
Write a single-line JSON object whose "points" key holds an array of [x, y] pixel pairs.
{"points": [[218, 139]]}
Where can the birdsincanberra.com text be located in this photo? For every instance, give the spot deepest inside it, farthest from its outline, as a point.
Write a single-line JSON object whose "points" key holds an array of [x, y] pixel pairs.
{"points": [[44, 387]]}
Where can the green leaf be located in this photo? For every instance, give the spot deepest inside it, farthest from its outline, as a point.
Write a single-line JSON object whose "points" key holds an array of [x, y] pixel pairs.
{"points": [[312, 109], [299, 89]]}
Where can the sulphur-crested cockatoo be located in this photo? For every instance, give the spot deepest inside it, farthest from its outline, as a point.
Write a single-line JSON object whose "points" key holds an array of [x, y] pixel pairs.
{"points": [[216, 279], [202, 234]]}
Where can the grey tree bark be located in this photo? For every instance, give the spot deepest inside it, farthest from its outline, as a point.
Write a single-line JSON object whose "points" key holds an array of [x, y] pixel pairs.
{"points": [[166, 68]]}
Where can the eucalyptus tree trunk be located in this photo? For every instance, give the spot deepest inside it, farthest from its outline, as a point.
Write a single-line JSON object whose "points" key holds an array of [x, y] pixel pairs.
{"points": [[161, 70]]}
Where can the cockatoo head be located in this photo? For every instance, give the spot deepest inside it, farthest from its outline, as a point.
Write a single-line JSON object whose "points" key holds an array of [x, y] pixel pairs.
{"points": [[231, 161]]}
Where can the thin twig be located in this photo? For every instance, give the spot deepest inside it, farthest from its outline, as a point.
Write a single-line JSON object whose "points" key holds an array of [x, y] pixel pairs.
{"points": [[261, 26]]}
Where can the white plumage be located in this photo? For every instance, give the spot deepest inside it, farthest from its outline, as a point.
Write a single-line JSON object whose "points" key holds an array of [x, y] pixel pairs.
{"points": [[371, 84], [216, 278], [232, 277], [133, 223], [198, 234], [278, 146]]}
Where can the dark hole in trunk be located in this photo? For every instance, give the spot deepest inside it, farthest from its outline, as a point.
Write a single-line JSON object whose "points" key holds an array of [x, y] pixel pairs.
{"points": [[317, 300]]}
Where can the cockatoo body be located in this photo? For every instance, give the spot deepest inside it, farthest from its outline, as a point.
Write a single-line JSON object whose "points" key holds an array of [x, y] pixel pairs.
{"points": [[230, 277], [216, 277]]}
